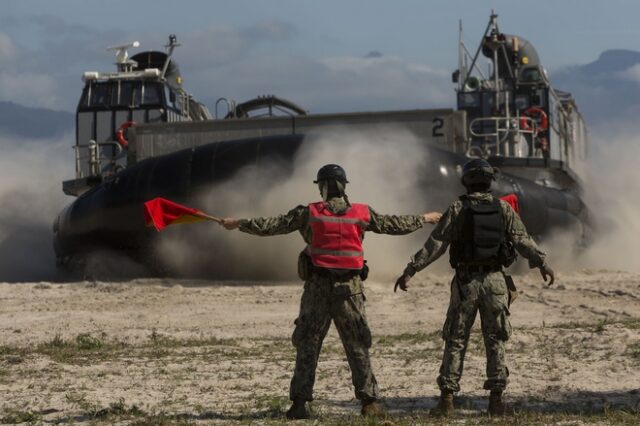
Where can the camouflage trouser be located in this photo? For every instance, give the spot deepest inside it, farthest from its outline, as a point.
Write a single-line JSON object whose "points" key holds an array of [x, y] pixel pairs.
{"points": [[325, 299], [488, 294]]}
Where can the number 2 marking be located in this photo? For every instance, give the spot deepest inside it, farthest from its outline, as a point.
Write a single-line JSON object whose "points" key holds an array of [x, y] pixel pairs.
{"points": [[438, 124]]}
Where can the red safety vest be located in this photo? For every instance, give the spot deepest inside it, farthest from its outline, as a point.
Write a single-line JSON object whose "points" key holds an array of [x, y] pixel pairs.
{"points": [[336, 240]]}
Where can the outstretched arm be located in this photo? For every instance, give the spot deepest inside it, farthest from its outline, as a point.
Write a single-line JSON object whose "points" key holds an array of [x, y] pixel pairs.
{"points": [[265, 226], [435, 246], [399, 224]]}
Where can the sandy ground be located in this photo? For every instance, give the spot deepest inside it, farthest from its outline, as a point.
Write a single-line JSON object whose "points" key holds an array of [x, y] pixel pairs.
{"points": [[215, 352]]}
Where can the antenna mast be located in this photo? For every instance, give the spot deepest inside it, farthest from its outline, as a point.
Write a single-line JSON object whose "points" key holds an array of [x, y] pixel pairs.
{"points": [[173, 43]]}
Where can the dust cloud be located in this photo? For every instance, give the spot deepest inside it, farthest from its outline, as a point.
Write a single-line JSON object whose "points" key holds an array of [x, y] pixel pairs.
{"points": [[387, 169], [613, 236], [612, 195], [30, 198]]}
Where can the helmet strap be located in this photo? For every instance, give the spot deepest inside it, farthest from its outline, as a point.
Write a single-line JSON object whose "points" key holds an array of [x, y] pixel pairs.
{"points": [[324, 189], [330, 189]]}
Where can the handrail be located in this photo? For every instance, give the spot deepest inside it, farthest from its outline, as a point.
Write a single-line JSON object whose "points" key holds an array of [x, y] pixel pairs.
{"points": [[504, 127], [93, 158]]}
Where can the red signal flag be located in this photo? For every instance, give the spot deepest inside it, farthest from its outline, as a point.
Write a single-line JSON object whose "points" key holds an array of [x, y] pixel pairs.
{"points": [[161, 213]]}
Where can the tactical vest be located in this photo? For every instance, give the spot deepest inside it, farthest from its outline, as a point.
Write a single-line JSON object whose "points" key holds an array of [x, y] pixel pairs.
{"points": [[480, 236], [336, 241]]}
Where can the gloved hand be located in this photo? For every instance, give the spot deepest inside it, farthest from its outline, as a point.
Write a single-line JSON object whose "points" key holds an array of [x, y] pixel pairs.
{"points": [[230, 223], [402, 282], [547, 272]]}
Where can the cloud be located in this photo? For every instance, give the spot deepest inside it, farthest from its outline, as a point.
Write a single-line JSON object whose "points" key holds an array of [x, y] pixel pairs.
{"points": [[632, 74], [270, 30], [54, 26], [335, 84], [26, 88], [218, 45], [220, 61], [65, 50], [373, 54], [47, 75], [29, 89], [7, 49]]}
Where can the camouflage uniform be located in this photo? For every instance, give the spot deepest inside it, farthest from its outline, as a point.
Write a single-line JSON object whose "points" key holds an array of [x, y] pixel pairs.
{"points": [[331, 295], [472, 292]]}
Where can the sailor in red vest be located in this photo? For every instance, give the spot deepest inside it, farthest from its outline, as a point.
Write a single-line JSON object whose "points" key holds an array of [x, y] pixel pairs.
{"points": [[333, 268]]}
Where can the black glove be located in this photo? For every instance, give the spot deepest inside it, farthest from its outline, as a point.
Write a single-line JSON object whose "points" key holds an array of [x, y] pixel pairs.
{"points": [[547, 272], [402, 282]]}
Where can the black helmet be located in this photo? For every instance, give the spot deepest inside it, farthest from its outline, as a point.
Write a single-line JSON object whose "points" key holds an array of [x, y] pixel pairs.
{"points": [[477, 171], [331, 172]]}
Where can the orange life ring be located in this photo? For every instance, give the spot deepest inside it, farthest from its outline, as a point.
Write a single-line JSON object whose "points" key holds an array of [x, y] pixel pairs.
{"points": [[536, 114], [124, 143]]}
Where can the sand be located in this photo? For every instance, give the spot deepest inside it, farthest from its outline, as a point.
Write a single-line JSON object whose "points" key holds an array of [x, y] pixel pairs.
{"points": [[201, 352]]}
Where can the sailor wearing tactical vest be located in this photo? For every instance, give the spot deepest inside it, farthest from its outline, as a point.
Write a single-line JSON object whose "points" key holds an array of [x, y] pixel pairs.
{"points": [[333, 268], [483, 232]]}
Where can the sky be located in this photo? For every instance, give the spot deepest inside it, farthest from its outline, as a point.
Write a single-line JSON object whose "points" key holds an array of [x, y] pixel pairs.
{"points": [[325, 55]]}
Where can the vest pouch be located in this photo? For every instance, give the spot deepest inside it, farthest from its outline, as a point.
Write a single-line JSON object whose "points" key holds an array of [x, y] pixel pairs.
{"points": [[305, 267], [364, 272]]}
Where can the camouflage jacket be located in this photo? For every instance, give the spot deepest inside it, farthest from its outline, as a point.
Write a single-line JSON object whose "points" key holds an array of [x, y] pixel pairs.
{"points": [[443, 234], [297, 219]]}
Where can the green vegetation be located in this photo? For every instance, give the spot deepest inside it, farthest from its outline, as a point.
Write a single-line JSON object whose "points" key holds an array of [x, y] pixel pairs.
{"points": [[272, 406], [86, 349], [159, 340], [634, 351], [599, 326], [412, 338], [13, 417], [81, 350], [209, 365], [119, 412]]}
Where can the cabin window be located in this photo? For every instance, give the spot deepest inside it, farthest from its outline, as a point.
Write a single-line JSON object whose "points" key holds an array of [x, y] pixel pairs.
{"points": [[488, 103], [152, 94], [84, 100], [469, 100], [522, 102], [178, 101], [174, 100], [102, 94], [129, 94], [530, 75]]}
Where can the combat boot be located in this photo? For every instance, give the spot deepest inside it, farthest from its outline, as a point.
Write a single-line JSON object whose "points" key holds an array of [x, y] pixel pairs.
{"points": [[298, 410], [496, 406], [445, 405], [372, 409]]}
